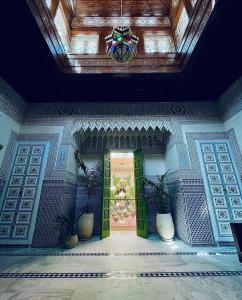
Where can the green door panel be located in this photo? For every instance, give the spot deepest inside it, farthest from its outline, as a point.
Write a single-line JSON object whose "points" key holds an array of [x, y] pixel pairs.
{"points": [[105, 232], [141, 217]]}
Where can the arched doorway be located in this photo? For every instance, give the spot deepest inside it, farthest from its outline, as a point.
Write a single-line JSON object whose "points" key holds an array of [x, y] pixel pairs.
{"points": [[119, 140]]}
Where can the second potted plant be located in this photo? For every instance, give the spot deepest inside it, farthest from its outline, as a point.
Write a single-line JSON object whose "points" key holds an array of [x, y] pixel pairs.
{"points": [[161, 197], [68, 224], [91, 179]]}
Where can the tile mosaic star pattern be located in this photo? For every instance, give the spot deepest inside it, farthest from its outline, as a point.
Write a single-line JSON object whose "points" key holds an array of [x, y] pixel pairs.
{"points": [[18, 200], [223, 184]]}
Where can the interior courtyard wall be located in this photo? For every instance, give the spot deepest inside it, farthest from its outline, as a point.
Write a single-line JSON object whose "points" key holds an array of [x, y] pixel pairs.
{"points": [[187, 122], [12, 111]]}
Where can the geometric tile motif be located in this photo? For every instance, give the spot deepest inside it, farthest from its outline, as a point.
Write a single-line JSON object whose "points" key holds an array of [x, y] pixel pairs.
{"points": [[223, 158], [226, 168], [229, 178], [35, 160], [214, 179], [237, 214], [33, 170], [37, 150], [222, 214], [5, 231], [221, 148], [224, 229], [19, 199], [18, 170], [222, 183], [31, 181], [120, 254], [26, 204], [198, 218], [23, 150], [6, 217], [10, 204], [232, 190], [209, 158], [207, 148], [20, 231], [16, 181], [23, 217], [13, 192], [219, 201], [217, 189], [120, 275], [235, 201], [21, 160], [212, 168], [29, 192]]}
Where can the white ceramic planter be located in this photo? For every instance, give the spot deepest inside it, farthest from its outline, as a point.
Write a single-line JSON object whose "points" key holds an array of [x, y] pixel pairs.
{"points": [[85, 226], [165, 226], [70, 242]]}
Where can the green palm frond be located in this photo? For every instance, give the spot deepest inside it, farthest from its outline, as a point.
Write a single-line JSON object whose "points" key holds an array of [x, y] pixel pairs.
{"points": [[159, 194]]}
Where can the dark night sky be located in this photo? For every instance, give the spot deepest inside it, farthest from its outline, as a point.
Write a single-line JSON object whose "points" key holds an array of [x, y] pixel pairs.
{"points": [[27, 64]]}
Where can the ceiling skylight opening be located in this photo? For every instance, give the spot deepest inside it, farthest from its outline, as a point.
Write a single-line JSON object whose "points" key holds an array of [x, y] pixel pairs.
{"points": [[193, 2], [181, 25], [48, 3], [61, 26], [158, 43], [84, 44]]}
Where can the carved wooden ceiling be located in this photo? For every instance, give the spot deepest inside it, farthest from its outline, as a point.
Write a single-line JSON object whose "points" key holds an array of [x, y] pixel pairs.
{"points": [[131, 8], [27, 63], [168, 31]]}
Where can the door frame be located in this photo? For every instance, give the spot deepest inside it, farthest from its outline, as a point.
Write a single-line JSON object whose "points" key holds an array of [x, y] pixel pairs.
{"points": [[145, 217]]}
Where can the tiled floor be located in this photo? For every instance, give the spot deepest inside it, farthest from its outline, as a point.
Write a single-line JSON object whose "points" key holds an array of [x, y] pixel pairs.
{"points": [[122, 266]]}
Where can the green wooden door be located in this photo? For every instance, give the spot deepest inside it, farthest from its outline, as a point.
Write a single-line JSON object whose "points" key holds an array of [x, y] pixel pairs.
{"points": [[141, 218], [106, 195]]}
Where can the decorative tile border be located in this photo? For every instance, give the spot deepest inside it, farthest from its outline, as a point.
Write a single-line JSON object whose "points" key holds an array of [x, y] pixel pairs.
{"points": [[119, 275], [202, 253], [231, 101], [11, 103]]}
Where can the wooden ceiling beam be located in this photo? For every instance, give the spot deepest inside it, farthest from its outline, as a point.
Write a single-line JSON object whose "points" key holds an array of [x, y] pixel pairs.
{"points": [[80, 22]]}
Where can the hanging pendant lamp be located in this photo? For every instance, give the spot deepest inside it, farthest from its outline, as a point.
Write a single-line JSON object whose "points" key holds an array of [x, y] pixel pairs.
{"points": [[121, 43]]}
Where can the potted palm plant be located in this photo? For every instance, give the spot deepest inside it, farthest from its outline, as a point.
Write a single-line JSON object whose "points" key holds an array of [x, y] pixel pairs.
{"points": [[160, 196], [68, 224], [91, 179]]}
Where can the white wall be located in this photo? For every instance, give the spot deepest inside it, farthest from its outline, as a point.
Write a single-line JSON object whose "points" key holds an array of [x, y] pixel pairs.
{"points": [[154, 164], [171, 159], [236, 123], [6, 126], [41, 129], [208, 127]]}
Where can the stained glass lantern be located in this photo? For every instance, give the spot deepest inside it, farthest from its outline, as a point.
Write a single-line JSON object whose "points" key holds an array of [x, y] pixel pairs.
{"points": [[121, 44]]}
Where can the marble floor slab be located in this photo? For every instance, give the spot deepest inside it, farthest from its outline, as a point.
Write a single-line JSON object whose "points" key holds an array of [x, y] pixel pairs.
{"points": [[122, 266]]}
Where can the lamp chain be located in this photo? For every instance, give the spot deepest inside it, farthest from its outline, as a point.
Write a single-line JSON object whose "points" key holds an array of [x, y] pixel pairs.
{"points": [[121, 13]]}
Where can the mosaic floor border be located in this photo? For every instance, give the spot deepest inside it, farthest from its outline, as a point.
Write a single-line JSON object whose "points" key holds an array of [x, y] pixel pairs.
{"points": [[119, 275], [118, 254]]}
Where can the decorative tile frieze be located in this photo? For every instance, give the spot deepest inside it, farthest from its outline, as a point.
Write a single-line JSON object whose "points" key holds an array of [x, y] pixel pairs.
{"points": [[11, 103], [170, 109], [231, 101]]}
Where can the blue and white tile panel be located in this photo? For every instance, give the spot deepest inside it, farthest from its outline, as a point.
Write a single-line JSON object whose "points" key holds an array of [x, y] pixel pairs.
{"points": [[223, 186], [20, 197]]}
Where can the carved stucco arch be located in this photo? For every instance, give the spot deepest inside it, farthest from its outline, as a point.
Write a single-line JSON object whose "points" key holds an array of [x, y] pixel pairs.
{"points": [[91, 133], [121, 122]]}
